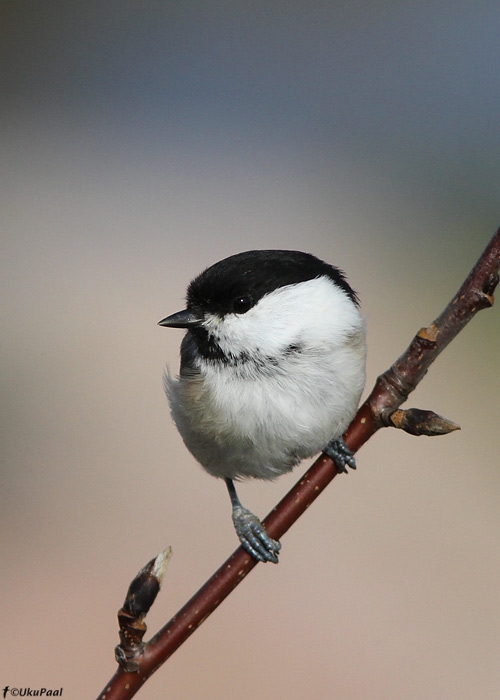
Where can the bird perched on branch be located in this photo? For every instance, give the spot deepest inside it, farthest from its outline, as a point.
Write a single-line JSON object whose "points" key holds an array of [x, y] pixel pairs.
{"points": [[272, 369]]}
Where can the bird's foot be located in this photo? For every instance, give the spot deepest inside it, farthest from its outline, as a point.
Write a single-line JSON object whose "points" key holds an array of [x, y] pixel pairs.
{"points": [[253, 536], [341, 455]]}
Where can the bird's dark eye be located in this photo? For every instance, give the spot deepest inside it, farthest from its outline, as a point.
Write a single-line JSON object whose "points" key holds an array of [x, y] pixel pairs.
{"points": [[242, 304]]}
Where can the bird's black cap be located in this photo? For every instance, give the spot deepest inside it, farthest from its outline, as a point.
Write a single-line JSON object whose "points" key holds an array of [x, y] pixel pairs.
{"points": [[254, 273]]}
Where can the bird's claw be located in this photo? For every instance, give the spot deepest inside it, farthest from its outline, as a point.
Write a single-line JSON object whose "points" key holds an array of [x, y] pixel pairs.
{"points": [[341, 455], [253, 536]]}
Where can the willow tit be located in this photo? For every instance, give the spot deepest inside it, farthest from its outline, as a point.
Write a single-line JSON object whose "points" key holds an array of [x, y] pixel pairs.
{"points": [[272, 369]]}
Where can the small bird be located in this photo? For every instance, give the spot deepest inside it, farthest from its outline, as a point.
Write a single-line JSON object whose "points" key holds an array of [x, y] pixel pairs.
{"points": [[271, 372]]}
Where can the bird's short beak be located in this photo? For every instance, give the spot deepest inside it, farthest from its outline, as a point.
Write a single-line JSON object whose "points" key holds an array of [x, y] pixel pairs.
{"points": [[182, 319]]}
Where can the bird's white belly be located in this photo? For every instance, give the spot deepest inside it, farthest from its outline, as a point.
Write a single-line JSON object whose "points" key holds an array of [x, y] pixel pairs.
{"points": [[239, 422]]}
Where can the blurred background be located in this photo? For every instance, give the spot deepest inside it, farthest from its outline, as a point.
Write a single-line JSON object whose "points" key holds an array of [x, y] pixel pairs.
{"points": [[140, 143]]}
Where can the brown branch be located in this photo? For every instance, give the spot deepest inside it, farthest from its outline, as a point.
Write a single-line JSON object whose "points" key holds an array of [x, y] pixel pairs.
{"points": [[391, 390]]}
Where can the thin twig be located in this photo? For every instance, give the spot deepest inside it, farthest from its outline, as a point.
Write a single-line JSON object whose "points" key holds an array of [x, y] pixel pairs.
{"points": [[391, 389]]}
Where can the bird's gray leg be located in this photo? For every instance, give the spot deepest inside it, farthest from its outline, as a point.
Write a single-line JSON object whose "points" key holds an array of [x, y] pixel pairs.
{"points": [[251, 532], [341, 455]]}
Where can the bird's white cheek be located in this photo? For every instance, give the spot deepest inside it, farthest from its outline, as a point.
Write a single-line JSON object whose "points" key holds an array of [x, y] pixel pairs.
{"points": [[315, 312]]}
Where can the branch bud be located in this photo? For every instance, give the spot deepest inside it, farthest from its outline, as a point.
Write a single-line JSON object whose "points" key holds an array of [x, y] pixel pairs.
{"points": [[140, 597], [417, 421]]}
